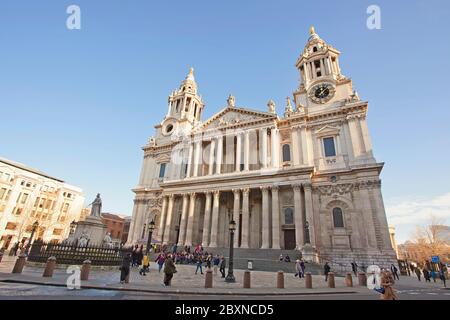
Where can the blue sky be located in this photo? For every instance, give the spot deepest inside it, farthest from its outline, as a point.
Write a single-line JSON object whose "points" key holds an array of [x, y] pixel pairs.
{"points": [[79, 104]]}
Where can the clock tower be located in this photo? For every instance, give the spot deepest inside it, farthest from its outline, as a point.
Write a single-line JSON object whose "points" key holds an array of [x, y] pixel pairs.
{"points": [[321, 81]]}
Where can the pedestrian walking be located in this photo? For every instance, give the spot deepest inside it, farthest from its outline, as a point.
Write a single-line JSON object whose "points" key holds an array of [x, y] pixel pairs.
{"points": [[169, 271], [199, 264], [216, 262], [433, 275], [442, 277], [145, 266], [298, 269], [326, 270], [355, 268], [303, 267], [418, 273], [208, 261], [426, 275], [125, 268], [134, 256], [387, 283], [222, 266], [394, 272], [160, 260]]}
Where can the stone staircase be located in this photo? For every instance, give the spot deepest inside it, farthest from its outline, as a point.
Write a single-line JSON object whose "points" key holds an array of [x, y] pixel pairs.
{"points": [[265, 259]]}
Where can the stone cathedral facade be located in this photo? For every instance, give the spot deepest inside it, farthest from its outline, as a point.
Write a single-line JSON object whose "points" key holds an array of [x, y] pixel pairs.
{"points": [[306, 180]]}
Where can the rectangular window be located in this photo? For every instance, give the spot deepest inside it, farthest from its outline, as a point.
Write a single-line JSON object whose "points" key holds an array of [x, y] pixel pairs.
{"points": [[162, 170], [47, 205], [11, 226], [24, 198], [36, 202], [8, 195], [330, 150], [66, 207], [2, 193], [18, 198]]}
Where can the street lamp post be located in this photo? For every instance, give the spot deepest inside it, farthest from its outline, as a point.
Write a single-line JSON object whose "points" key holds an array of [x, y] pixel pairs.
{"points": [[230, 276], [151, 227], [33, 230]]}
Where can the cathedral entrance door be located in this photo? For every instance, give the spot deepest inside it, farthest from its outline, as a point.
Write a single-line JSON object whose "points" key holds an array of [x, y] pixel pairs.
{"points": [[289, 239]]}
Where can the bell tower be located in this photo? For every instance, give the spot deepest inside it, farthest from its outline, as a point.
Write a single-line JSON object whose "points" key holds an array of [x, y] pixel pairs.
{"points": [[185, 107], [321, 79], [185, 103]]}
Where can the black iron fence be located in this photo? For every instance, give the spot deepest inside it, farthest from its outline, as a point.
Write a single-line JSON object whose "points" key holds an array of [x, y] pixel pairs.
{"points": [[74, 255]]}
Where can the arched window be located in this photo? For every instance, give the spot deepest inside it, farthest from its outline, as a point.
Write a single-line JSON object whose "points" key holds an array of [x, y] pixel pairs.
{"points": [[315, 49], [338, 218], [286, 153], [288, 216]]}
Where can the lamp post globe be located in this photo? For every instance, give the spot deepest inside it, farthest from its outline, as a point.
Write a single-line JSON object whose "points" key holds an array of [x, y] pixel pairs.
{"points": [[230, 276]]}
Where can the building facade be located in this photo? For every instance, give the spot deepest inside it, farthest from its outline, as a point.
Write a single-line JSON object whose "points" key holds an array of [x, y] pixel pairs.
{"points": [[307, 178], [28, 195]]}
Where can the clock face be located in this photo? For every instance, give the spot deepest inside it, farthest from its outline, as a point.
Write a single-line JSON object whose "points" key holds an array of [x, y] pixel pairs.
{"points": [[322, 93]]}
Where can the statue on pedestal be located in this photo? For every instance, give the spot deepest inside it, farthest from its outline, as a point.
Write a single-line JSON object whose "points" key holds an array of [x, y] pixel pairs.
{"points": [[96, 206]]}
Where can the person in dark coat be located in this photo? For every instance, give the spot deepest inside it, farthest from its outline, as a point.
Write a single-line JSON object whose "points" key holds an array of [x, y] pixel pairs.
{"points": [[326, 270], [426, 275], [134, 256], [169, 270], [125, 268], [418, 273], [394, 272], [355, 268], [222, 266]]}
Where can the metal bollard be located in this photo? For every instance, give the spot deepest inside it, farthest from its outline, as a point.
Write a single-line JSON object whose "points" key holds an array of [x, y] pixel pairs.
{"points": [[331, 280], [308, 280], [280, 280], [20, 263], [362, 279], [349, 280], [85, 269], [49, 267], [209, 279], [247, 280]]}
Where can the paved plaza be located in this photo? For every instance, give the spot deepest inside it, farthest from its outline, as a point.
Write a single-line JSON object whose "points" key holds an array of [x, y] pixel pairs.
{"points": [[104, 284]]}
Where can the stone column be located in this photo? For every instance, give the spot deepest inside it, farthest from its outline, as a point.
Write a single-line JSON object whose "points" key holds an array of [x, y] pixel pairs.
{"points": [[355, 137], [162, 221], [322, 68], [298, 217], [296, 147], [238, 152], [190, 221], [215, 219], [207, 219], [309, 212], [236, 211], [245, 218], [189, 164], [265, 218], [219, 155], [367, 214], [275, 218], [198, 152], [183, 222], [167, 232], [365, 136], [275, 148], [263, 142], [247, 151], [211, 156]]}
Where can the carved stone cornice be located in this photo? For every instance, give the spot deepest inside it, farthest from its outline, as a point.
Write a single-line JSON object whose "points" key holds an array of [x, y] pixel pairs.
{"points": [[245, 191], [335, 189]]}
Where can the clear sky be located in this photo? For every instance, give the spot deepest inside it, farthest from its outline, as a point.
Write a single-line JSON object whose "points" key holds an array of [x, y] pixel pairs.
{"points": [[79, 104]]}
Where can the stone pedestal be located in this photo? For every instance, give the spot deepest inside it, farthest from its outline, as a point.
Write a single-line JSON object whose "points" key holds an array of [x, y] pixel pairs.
{"points": [[93, 227], [309, 253]]}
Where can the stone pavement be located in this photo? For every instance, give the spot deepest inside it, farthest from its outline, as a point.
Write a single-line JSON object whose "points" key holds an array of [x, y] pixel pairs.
{"points": [[184, 281]]}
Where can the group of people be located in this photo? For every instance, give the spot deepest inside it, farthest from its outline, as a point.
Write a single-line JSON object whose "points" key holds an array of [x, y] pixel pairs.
{"points": [[285, 258], [431, 273], [167, 260]]}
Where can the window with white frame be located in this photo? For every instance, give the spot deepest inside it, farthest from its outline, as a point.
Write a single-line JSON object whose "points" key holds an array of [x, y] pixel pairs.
{"points": [[162, 170]]}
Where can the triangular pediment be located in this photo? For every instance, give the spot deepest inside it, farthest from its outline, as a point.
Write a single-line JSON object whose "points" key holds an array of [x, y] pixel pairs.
{"points": [[236, 116], [327, 130]]}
